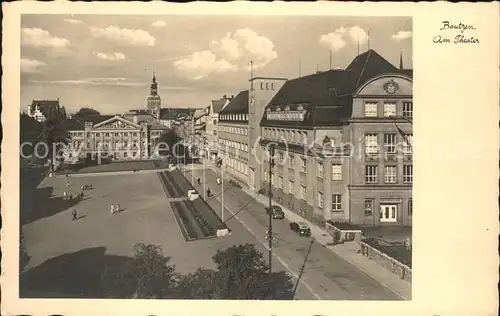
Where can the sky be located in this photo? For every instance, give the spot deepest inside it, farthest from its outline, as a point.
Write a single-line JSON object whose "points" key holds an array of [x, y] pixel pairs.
{"points": [[106, 61]]}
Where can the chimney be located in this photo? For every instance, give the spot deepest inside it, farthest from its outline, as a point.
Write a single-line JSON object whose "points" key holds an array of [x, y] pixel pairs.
{"points": [[224, 96]]}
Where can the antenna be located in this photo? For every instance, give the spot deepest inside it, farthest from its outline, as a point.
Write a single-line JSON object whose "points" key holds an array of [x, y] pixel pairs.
{"points": [[251, 75], [317, 67], [368, 39], [300, 68], [358, 45], [330, 60]]}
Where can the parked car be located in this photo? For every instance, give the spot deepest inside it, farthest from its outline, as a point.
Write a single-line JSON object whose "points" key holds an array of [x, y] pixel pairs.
{"points": [[301, 228], [276, 212]]}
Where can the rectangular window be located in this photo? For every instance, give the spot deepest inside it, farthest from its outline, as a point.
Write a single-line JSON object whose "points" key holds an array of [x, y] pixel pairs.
{"points": [[368, 207], [390, 174], [303, 165], [371, 144], [408, 109], [291, 161], [281, 157], [371, 174], [371, 109], [320, 170], [408, 144], [336, 202], [408, 173], [320, 199], [88, 134], [125, 154], [107, 134], [280, 182], [410, 207], [291, 187], [390, 143], [336, 172], [303, 192], [98, 134], [389, 109]]}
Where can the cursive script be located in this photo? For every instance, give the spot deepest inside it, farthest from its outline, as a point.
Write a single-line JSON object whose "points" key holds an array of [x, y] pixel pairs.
{"points": [[446, 25]]}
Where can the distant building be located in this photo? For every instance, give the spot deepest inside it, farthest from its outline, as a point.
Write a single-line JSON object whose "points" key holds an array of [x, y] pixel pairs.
{"points": [[174, 116], [113, 136], [153, 100], [40, 110]]}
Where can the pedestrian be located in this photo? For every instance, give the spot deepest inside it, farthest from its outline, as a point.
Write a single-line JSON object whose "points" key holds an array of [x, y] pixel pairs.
{"points": [[65, 194], [82, 187], [71, 197], [218, 181], [74, 214], [117, 208], [112, 208], [90, 187], [81, 195], [67, 183], [199, 181], [208, 192]]}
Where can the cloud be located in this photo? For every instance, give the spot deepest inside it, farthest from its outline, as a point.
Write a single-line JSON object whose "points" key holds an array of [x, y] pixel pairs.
{"points": [[337, 39], [124, 36], [31, 65], [202, 64], [37, 37], [259, 47], [113, 56], [159, 24], [228, 47], [73, 21], [230, 53], [401, 35], [106, 81]]}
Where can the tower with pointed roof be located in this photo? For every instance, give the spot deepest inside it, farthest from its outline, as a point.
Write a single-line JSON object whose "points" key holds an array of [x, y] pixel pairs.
{"points": [[153, 101], [401, 60]]}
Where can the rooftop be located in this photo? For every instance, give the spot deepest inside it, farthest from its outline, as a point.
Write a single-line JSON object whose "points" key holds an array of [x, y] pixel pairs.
{"points": [[238, 105]]}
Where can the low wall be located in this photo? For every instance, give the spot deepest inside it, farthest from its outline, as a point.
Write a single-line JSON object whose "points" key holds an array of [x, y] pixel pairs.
{"points": [[345, 235], [391, 264]]}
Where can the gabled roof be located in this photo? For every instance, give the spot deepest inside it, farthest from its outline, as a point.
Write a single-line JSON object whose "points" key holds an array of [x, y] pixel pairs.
{"points": [[218, 105], [199, 113], [116, 118], [238, 105]]}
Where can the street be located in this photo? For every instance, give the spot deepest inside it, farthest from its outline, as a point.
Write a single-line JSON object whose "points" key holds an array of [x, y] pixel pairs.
{"points": [[326, 275]]}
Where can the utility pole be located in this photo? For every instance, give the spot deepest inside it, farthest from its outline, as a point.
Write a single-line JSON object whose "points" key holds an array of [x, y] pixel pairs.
{"points": [[270, 229]]}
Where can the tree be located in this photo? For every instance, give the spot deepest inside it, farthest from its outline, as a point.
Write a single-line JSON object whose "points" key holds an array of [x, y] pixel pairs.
{"points": [[85, 112], [172, 140], [241, 273], [146, 275], [54, 135]]}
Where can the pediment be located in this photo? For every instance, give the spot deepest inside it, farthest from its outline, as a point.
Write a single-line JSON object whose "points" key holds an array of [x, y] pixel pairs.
{"points": [[117, 122], [387, 86]]}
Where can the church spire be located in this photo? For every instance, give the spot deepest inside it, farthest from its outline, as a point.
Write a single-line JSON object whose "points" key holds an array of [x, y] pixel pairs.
{"points": [[154, 77], [401, 59]]}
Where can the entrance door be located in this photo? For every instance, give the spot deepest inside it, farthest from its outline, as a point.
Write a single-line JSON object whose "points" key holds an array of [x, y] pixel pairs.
{"points": [[388, 213]]}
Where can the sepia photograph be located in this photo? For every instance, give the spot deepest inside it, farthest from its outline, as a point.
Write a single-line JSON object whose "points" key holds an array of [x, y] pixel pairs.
{"points": [[245, 158], [239, 161]]}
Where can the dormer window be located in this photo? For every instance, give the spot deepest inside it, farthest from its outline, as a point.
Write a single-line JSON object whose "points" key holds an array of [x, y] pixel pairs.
{"points": [[278, 109], [287, 108], [300, 108], [261, 86], [267, 86], [272, 86], [268, 109]]}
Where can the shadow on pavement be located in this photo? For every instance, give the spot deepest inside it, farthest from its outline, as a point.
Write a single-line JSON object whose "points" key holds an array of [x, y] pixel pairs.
{"points": [[72, 275]]}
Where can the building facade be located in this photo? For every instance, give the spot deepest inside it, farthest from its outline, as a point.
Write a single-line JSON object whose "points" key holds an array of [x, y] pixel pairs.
{"points": [[40, 110], [210, 140], [233, 147], [112, 137], [343, 144]]}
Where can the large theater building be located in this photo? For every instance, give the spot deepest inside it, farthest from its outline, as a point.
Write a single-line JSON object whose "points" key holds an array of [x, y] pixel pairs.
{"points": [[111, 136], [343, 144]]}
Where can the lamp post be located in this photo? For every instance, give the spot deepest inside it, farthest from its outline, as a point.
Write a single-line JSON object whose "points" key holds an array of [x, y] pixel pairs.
{"points": [[222, 188], [270, 229]]}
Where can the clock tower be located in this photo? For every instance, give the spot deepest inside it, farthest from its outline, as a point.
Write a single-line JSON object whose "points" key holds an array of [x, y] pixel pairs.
{"points": [[153, 101]]}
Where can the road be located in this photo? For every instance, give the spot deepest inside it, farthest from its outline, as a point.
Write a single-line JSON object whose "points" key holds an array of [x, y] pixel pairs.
{"points": [[326, 275]]}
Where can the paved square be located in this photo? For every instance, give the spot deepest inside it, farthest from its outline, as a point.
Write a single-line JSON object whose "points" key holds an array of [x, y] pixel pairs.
{"points": [[146, 218]]}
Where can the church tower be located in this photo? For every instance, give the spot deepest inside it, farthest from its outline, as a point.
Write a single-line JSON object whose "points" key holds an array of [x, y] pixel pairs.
{"points": [[153, 101]]}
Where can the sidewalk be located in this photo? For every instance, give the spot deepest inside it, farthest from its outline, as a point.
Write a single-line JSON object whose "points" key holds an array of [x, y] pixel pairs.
{"points": [[348, 250]]}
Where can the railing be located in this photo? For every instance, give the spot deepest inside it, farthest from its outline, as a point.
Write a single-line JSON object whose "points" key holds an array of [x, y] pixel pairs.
{"points": [[342, 235], [386, 261]]}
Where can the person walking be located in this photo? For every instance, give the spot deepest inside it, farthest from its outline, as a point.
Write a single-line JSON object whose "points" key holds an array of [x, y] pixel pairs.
{"points": [[74, 213], [65, 194], [117, 208], [112, 208], [208, 192], [218, 180], [199, 181]]}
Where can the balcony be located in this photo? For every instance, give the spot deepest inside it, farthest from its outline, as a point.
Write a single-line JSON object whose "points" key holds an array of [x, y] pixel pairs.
{"points": [[390, 157], [407, 157]]}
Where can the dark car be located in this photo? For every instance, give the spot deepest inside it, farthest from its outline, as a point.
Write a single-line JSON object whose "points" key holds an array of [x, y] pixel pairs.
{"points": [[276, 212], [301, 228]]}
